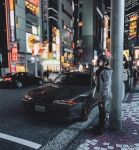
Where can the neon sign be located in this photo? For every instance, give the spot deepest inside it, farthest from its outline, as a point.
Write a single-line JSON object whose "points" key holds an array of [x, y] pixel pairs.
{"points": [[34, 2]]}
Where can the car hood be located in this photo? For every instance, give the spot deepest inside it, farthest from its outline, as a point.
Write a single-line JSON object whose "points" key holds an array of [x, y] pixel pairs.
{"points": [[57, 92]]}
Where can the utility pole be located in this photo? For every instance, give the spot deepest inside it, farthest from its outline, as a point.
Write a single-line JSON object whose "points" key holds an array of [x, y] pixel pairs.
{"points": [[117, 38], [36, 65], [60, 28]]}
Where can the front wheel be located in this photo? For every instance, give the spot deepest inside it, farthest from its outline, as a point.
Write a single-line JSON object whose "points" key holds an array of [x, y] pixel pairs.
{"points": [[19, 84], [40, 82], [85, 111]]}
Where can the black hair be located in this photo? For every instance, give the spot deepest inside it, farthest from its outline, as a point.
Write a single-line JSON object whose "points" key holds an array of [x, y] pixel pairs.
{"points": [[104, 59]]}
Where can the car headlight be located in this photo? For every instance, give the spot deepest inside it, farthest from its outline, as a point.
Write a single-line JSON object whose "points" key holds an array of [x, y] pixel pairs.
{"points": [[28, 97], [66, 102]]}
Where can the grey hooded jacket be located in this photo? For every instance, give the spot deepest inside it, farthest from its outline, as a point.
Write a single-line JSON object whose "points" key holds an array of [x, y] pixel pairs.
{"points": [[105, 81]]}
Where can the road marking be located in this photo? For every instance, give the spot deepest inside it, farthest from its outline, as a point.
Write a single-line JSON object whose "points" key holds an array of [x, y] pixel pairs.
{"points": [[20, 141], [61, 141], [135, 98], [136, 94]]}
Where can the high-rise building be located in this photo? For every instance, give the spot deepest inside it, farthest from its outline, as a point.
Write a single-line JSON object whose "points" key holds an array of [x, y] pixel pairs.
{"points": [[90, 32], [22, 28], [3, 37], [58, 33], [131, 22]]}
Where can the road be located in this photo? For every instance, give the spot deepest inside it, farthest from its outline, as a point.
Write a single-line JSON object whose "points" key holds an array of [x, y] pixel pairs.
{"points": [[19, 131]]}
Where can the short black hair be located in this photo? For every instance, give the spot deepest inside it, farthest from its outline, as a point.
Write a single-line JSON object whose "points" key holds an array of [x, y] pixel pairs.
{"points": [[104, 58]]}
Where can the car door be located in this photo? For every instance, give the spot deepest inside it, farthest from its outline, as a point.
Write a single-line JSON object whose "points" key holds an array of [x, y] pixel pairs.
{"points": [[19, 77], [31, 79]]}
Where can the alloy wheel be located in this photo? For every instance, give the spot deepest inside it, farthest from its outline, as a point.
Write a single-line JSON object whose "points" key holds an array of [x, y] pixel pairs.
{"points": [[19, 84]]}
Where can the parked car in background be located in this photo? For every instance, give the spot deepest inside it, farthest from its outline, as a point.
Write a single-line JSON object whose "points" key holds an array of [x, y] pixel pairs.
{"points": [[70, 96], [52, 76], [21, 79]]}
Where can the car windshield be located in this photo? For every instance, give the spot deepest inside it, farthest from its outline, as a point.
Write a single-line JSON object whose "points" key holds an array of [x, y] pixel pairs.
{"points": [[74, 79]]}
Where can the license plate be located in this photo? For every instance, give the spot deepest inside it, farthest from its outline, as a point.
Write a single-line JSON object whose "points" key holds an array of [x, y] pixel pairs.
{"points": [[39, 108]]}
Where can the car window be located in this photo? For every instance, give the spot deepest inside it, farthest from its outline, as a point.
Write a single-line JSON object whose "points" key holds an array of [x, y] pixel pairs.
{"points": [[61, 79], [18, 75], [30, 75], [74, 79]]}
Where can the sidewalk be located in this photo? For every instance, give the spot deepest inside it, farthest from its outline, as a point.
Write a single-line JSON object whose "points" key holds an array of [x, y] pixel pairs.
{"points": [[128, 140]]}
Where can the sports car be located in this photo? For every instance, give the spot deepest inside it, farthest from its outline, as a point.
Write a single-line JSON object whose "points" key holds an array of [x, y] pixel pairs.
{"points": [[69, 96]]}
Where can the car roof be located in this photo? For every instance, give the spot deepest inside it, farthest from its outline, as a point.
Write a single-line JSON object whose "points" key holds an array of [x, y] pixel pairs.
{"points": [[83, 73]]}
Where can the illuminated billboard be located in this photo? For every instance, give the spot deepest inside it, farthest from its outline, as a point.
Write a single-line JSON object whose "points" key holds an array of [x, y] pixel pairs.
{"points": [[67, 38], [30, 39], [12, 21], [14, 53], [133, 26], [34, 2]]}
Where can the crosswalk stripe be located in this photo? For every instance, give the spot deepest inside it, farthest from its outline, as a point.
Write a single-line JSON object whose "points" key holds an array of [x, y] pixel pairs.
{"points": [[134, 99], [20, 141], [135, 96]]}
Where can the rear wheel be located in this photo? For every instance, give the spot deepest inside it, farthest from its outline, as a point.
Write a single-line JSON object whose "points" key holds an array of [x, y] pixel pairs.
{"points": [[85, 110], [40, 82], [19, 84]]}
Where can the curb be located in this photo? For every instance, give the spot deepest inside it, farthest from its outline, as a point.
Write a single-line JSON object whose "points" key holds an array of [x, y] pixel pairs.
{"points": [[62, 140]]}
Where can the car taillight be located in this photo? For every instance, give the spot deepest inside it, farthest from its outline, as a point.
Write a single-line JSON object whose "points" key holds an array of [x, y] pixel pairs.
{"points": [[7, 79], [71, 102], [67, 102]]}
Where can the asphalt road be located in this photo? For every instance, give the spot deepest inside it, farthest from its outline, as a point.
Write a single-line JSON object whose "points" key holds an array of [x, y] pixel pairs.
{"points": [[19, 131]]}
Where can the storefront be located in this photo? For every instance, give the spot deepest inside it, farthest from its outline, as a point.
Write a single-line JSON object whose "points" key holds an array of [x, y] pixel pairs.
{"points": [[51, 65]]}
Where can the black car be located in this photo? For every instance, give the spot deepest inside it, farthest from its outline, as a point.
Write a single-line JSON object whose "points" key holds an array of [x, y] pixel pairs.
{"points": [[69, 96], [21, 79]]}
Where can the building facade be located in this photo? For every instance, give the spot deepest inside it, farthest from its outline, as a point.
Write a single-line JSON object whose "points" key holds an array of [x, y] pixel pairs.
{"points": [[23, 27], [3, 38], [131, 23], [90, 32], [58, 34]]}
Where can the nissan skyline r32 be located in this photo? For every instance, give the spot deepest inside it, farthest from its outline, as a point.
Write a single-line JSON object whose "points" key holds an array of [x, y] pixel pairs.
{"points": [[69, 96]]}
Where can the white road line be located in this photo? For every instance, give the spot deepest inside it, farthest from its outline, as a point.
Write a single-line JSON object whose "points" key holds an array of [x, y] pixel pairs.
{"points": [[20, 141], [135, 98], [136, 94]]}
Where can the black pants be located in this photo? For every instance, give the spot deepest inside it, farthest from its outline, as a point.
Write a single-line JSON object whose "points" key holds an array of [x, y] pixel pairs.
{"points": [[102, 115]]}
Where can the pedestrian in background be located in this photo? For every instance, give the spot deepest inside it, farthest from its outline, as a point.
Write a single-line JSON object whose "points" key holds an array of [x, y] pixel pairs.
{"points": [[103, 90], [134, 75], [46, 74]]}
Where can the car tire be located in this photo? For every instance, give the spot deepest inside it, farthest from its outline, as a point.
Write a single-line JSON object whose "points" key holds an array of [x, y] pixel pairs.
{"points": [[19, 84], [40, 82], [85, 110]]}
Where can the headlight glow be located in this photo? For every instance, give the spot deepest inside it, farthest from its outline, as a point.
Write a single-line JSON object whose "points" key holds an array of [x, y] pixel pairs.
{"points": [[28, 97]]}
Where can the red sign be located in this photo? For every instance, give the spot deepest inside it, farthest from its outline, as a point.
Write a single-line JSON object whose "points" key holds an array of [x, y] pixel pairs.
{"points": [[14, 54], [13, 68], [34, 2]]}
